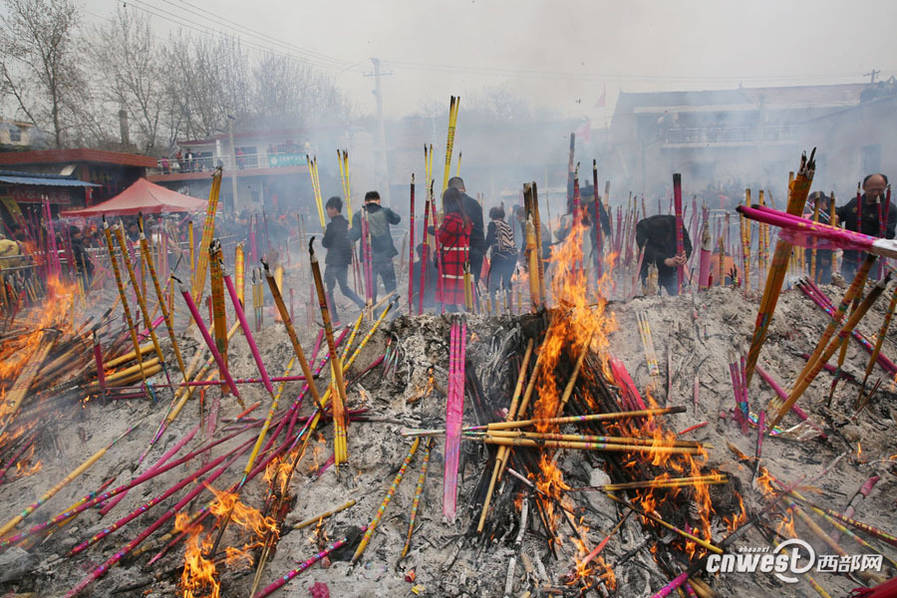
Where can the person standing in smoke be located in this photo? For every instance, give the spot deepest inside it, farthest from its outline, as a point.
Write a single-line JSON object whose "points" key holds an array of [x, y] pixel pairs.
{"points": [[872, 204], [587, 205], [823, 273], [657, 236], [82, 262], [339, 255], [474, 212], [382, 247], [454, 236], [503, 259]]}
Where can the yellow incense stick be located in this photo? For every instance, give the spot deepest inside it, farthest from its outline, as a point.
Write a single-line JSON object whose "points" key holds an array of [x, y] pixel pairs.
{"points": [[208, 230]]}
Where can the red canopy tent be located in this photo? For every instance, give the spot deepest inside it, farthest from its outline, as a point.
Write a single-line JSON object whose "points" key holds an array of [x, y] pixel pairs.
{"points": [[143, 197]]}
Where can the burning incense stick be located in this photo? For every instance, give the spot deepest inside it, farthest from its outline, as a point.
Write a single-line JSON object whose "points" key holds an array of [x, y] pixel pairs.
{"points": [[166, 314], [208, 230], [502, 452], [372, 526], [680, 247], [12, 523], [418, 493], [219, 312], [318, 518], [294, 340], [584, 438], [599, 230], [222, 367], [124, 300], [537, 225], [454, 106], [411, 250], [286, 577], [340, 448], [822, 354], [454, 409], [569, 419], [590, 446], [797, 198], [879, 340], [700, 542], [662, 483]]}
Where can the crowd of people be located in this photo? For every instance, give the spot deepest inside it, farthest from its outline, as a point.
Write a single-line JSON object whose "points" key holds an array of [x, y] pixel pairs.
{"points": [[477, 255], [868, 213]]}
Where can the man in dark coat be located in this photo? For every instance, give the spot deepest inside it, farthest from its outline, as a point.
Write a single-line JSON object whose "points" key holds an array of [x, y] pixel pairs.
{"points": [[382, 247], [657, 234], [79, 254], [339, 255], [474, 212], [874, 186]]}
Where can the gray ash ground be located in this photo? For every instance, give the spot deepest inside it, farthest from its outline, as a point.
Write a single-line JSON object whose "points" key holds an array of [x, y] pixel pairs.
{"points": [[446, 559]]}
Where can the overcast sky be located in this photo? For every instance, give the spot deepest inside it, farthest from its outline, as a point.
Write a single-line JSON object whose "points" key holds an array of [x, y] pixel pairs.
{"points": [[561, 55]]}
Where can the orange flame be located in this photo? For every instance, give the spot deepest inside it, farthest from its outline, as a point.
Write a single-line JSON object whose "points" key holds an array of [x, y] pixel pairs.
{"points": [[198, 578]]}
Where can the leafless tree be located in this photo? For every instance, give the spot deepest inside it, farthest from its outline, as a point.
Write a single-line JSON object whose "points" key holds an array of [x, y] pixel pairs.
{"points": [[206, 80], [126, 62], [38, 65], [289, 91]]}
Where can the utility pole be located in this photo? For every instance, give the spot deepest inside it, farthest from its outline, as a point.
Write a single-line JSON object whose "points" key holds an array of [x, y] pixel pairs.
{"points": [[383, 165], [872, 74]]}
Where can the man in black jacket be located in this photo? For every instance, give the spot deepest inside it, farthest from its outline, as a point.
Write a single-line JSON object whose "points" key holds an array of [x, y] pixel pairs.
{"points": [[79, 254], [874, 186], [382, 247], [474, 212], [339, 255], [657, 234]]}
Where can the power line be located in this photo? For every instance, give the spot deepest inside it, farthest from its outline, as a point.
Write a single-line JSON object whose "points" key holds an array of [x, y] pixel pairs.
{"points": [[203, 28], [312, 54]]}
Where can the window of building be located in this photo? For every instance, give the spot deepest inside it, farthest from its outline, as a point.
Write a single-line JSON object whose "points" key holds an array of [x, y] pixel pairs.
{"points": [[15, 134]]}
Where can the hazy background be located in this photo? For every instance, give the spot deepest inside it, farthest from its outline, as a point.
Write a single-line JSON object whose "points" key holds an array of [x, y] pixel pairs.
{"points": [[559, 55]]}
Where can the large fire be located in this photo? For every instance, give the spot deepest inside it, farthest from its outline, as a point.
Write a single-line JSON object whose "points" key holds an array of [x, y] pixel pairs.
{"points": [[580, 324], [198, 580]]}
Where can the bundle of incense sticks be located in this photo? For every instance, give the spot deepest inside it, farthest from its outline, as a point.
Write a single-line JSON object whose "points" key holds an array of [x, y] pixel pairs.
{"points": [[208, 231], [736, 373], [367, 258], [312, 164], [644, 328], [825, 349], [801, 230], [543, 422], [372, 526], [286, 577], [454, 410], [425, 235], [411, 250], [342, 157], [454, 106], [797, 198], [822, 300], [418, 493]]}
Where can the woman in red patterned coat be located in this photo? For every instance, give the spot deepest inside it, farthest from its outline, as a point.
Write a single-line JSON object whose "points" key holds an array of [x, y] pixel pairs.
{"points": [[454, 247]]}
